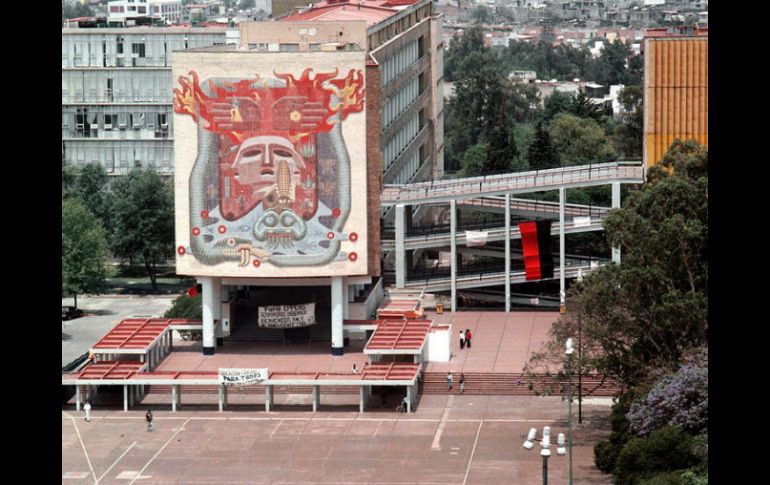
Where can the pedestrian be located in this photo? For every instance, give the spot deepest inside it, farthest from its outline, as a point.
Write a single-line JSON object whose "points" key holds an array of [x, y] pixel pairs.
{"points": [[355, 370], [87, 409], [462, 339], [468, 337], [462, 383], [148, 417], [449, 380]]}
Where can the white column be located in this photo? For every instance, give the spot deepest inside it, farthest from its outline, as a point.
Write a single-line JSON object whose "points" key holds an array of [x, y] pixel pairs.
{"points": [[221, 397], [616, 205], [507, 252], [217, 310], [316, 398], [173, 397], [268, 397], [562, 259], [125, 397], [453, 251], [77, 398], [400, 246], [345, 299], [209, 300], [337, 314], [362, 399], [409, 398]]}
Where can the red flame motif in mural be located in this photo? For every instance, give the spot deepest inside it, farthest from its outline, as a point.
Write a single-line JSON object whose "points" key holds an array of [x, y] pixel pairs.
{"points": [[268, 134]]}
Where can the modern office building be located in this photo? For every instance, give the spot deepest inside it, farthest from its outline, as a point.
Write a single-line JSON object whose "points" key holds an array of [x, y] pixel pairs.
{"points": [[117, 94]]}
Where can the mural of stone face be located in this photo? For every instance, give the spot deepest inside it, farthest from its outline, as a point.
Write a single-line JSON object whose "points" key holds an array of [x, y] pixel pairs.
{"points": [[254, 194]]}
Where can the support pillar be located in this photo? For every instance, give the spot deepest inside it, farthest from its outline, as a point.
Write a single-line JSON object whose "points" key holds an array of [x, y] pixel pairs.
{"points": [[125, 397], [562, 259], [210, 298], [507, 252], [217, 311], [616, 205], [225, 395], [173, 397], [77, 398], [170, 341], [400, 246], [221, 397], [132, 396], [338, 283], [268, 397], [409, 398], [362, 399], [316, 398], [345, 300], [453, 251]]}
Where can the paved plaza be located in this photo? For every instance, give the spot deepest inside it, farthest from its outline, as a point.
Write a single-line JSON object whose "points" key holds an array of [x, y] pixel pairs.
{"points": [[449, 440]]}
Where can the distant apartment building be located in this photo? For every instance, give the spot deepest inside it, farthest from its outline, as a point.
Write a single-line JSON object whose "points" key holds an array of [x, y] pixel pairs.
{"points": [[122, 11], [117, 94], [578, 9]]}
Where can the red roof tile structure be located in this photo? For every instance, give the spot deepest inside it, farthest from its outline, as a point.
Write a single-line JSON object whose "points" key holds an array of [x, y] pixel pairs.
{"points": [[394, 371], [135, 334], [372, 11], [399, 336], [110, 370]]}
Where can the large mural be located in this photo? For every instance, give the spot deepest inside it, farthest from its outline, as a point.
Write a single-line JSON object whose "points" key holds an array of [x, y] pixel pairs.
{"points": [[271, 187]]}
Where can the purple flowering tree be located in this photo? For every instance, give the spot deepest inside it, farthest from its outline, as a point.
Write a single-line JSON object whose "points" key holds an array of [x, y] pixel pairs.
{"points": [[679, 399]]}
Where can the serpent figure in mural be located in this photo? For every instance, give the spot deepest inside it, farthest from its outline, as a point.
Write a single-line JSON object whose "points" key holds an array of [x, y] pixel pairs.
{"points": [[271, 181]]}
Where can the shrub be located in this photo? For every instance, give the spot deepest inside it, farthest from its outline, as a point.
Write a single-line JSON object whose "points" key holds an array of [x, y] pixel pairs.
{"points": [[606, 452], [665, 450], [186, 307]]}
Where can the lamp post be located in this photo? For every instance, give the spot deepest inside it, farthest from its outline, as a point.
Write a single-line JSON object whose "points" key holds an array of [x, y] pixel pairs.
{"points": [[545, 445], [569, 352]]}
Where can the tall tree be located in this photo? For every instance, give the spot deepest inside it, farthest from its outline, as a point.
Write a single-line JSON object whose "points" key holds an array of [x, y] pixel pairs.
{"points": [[91, 187], [646, 313], [579, 140], [628, 135], [143, 208], [583, 107], [84, 250], [501, 148], [474, 160], [541, 153]]}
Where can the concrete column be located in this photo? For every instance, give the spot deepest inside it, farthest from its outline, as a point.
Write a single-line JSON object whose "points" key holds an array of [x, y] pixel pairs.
{"points": [[453, 251], [178, 396], [221, 398], [217, 310], [170, 340], [409, 398], [507, 252], [316, 398], [337, 314], [173, 397], [77, 398], [268, 397], [562, 259], [210, 298], [362, 399], [616, 205], [345, 300], [225, 395], [125, 397], [400, 246]]}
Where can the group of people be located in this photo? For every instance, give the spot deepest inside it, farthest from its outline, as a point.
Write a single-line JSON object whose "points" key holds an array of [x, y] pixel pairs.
{"points": [[465, 338], [450, 379]]}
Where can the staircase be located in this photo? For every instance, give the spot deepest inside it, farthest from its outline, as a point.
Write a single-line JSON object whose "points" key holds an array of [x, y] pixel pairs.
{"points": [[513, 384]]}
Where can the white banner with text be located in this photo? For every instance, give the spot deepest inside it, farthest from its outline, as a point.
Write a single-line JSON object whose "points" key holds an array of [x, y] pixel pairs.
{"points": [[242, 377], [287, 316]]}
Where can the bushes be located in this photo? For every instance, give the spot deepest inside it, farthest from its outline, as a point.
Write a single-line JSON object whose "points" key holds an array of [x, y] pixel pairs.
{"points": [[186, 307], [667, 449]]}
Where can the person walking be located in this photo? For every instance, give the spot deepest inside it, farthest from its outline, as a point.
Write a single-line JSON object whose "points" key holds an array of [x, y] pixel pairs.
{"points": [[148, 418], [462, 383], [462, 339], [468, 337], [355, 369], [87, 409], [449, 380]]}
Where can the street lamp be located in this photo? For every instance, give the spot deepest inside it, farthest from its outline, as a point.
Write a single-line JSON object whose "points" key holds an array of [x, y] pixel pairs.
{"points": [[545, 447], [569, 352]]}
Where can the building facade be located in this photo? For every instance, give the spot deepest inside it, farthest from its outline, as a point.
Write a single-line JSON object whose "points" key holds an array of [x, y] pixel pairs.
{"points": [[117, 95], [122, 10]]}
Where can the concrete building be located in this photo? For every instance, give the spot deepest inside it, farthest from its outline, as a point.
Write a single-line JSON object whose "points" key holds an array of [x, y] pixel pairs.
{"points": [[117, 94], [122, 11], [283, 144]]}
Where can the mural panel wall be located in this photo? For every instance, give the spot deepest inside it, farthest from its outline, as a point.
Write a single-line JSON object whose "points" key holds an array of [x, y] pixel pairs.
{"points": [[270, 167]]}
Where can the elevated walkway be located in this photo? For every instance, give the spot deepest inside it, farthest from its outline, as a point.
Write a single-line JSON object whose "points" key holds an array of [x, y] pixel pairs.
{"points": [[532, 208], [513, 183]]}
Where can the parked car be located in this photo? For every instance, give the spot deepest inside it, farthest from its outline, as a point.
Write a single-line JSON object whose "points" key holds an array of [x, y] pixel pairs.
{"points": [[70, 312]]}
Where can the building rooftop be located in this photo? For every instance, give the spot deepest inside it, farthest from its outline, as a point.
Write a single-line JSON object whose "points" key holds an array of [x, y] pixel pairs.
{"points": [[677, 32], [372, 11]]}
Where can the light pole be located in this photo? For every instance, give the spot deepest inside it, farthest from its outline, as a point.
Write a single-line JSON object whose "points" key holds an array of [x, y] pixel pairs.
{"points": [[545, 445], [569, 352]]}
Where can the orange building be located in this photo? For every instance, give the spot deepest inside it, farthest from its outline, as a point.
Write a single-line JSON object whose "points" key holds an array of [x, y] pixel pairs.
{"points": [[675, 90]]}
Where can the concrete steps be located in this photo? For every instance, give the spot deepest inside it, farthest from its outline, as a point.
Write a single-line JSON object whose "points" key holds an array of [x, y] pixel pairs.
{"points": [[513, 384]]}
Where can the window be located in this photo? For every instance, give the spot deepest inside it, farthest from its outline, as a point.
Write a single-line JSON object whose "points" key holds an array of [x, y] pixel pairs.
{"points": [[138, 49], [289, 47], [110, 122], [142, 10]]}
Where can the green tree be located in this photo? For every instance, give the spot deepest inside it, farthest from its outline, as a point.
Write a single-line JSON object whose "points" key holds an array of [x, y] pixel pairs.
{"points": [[583, 107], [91, 187], [68, 176], [628, 137], [247, 4], [501, 148], [579, 140], [460, 47], [480, 14], [84, 250], [71, 9], [187, 307], [474, 160], [541, 153], [556, 103], [668, 449], [143, 208]]}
